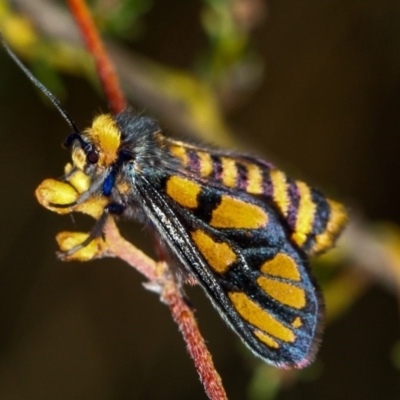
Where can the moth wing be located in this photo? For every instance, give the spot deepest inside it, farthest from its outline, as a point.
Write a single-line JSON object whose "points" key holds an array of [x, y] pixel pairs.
{"points": [[314, 220], [238, 250]]}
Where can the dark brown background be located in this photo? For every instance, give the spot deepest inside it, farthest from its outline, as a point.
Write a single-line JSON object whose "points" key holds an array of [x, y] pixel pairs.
{"points": [[327, 111]]}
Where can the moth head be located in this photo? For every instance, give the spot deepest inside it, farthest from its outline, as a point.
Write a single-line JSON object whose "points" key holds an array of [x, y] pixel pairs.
{"points": [[96, 149]]}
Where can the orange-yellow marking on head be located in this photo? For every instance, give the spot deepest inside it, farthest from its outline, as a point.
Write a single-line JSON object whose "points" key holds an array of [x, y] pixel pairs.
{"points": [[219, 256], [229, 172], [297, 322], [254, 179], [267, 340], [261, 319], [283, 292], [281, 197], [305, 214], [106, 136], [183, 191], [206, 164], [180, 152], [237, 214], [283, 266], [337, 220]]}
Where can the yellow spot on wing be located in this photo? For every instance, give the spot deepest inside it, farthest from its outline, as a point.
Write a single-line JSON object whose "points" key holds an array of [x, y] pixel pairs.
{"points": [[283, 292], [297, 322], [218, 255], [206, 164], [254, 178], [267, 339], [281, 197], [305, 214], [183, 191], [337, 221], [180, 152], [229, 171], [261, 319], [106, 136], [283, 266], [237, 214]]}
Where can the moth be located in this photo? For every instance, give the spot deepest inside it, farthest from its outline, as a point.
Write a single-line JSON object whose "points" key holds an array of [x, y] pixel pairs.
{"points": [[232, 222]]}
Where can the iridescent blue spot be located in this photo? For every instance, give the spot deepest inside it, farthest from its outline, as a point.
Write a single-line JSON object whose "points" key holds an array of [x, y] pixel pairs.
{"points": [[108, 184]]}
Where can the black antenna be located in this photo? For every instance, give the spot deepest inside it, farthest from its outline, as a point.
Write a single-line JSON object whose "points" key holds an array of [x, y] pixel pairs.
{"points": [[38, 84]]}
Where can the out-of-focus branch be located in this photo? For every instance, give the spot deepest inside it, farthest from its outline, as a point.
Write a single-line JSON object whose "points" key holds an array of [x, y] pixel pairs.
{"points": [[375, 249], [50, 19]]}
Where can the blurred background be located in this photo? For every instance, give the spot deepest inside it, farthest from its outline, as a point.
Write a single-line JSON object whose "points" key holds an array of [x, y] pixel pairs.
{"points": [[313, 86]]}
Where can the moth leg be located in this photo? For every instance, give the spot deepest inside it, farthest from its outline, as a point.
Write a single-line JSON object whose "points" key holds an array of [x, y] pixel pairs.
{"points": [[95, 187], [66, 176], [97, 230]]}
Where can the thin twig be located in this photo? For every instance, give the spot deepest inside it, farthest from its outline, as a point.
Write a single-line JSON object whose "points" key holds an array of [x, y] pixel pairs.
{"points": [[196, 346], [161, 279], [95, 46]]}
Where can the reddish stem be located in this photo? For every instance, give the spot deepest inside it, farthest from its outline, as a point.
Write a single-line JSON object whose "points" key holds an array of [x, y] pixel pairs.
{"points": [[186, 321], [171, 295], [94, 44], [127, 252]]}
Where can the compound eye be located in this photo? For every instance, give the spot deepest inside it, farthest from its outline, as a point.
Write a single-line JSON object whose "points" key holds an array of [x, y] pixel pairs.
{"points": [[92, 156]]}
